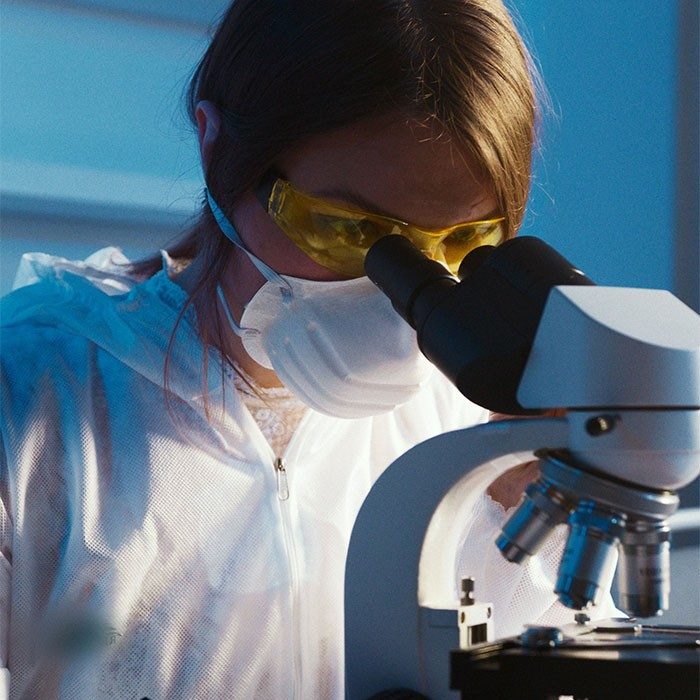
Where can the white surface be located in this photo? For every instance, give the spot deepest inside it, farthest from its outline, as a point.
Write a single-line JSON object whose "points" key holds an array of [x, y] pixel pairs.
{"points": [[4, 684], [685, 519], [613, 346]]}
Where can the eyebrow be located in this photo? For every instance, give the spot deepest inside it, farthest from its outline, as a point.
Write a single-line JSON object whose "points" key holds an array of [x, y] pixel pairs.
{"points": [[358, 200]]}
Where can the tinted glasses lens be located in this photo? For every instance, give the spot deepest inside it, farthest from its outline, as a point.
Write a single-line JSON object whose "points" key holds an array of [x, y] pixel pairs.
{"points": [[339, 239]]}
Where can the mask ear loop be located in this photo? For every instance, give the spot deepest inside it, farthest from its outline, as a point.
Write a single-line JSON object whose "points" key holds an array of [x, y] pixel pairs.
{"points": [[239, 330], [230, 232]]}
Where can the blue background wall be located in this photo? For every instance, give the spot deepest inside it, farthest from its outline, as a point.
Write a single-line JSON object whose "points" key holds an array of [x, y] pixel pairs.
{"points": [[605, 184], [94, 146]]}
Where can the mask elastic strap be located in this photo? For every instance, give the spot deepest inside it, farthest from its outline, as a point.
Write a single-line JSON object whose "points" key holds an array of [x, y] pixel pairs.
{"points": [[230, 232], [240, 331]]}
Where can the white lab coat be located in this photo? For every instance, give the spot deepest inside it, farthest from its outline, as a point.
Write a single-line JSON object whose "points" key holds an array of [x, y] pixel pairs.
{"points": [[145, 552]]}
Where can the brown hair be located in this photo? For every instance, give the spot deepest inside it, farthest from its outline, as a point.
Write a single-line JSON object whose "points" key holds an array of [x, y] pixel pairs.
{"points": [[282, 70]]}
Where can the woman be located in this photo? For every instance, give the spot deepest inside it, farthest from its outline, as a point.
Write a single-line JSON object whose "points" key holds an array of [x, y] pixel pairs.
{"points": [[187, 440]]}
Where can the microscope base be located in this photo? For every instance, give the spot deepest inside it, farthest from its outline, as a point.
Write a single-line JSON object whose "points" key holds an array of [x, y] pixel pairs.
{"points": [[600, 664]]}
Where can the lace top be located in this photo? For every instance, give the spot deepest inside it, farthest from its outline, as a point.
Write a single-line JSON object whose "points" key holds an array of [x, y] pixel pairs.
{"points": [[275, 409]]}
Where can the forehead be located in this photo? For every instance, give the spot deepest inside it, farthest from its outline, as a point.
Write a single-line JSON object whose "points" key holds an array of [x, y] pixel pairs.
{"points": [[410, 170]]}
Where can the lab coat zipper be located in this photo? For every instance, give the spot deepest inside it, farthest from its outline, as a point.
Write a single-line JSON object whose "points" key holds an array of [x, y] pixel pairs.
{"points": [[283, 497], [282, 485]]}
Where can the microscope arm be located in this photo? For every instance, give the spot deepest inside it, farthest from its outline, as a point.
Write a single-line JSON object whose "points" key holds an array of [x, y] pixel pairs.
{"points": [[409, 523]]}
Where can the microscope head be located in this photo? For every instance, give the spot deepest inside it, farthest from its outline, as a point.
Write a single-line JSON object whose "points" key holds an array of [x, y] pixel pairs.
{"points": [[522, 331]]}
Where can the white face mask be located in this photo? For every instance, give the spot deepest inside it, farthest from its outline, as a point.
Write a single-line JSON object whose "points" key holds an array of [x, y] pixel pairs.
{"points": [[339, 346]]}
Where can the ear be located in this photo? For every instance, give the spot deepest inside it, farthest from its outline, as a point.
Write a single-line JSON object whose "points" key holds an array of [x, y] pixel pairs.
{"points": [[208, 126]]}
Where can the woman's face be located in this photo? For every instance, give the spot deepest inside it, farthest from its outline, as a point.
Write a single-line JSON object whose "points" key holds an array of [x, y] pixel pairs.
{"points": [[385, 165]]}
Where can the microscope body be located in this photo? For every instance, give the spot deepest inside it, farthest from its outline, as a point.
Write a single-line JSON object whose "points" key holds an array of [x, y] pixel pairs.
{"points": [[625, 363], [401, 584]]}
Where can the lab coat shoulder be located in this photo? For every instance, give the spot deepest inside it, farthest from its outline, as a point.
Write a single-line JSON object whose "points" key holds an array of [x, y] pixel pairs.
{"points": [[68, 348], [45, 370], [66, 407], [29, 347]]}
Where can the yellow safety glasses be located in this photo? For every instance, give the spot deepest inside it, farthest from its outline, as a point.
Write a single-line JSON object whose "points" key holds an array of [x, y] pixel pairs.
{"points": [[339, 238]]}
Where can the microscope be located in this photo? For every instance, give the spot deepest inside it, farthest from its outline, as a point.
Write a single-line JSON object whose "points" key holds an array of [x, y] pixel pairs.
{"points": [[520, 331]]}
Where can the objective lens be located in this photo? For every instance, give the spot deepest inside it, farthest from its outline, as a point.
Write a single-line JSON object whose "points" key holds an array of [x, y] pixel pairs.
{"points": [[589, 554], [644, 579], [542, 509]]}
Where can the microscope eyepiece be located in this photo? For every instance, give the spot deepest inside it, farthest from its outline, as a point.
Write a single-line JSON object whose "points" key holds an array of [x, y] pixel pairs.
{"points": [[477, 330], [406, 276]]}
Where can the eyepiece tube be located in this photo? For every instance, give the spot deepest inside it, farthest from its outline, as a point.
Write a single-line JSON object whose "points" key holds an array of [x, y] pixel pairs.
{"points": [[477, 330], [404, 274]]}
